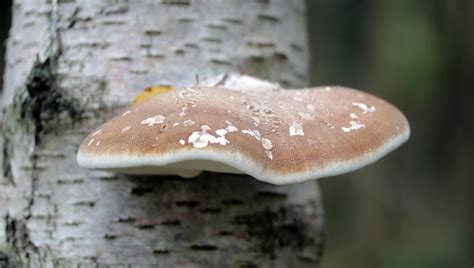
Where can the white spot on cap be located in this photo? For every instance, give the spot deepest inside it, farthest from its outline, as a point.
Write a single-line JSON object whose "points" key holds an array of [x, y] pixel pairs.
{"points": [[296, 129], [182, 141], [221, 132], [97, 143], [231, 129], [127, 112], [354, 116], [90, 142], [201, 139], [252, 133], [267, 144], [330, 126], [306, 116], [184, 111], [125, 129], [364, 107], [269, 154], [256, 119], [298, 98], [188, 123], [96, 133], [310, 107], [154, 120], [354, 125], [175, 124]]}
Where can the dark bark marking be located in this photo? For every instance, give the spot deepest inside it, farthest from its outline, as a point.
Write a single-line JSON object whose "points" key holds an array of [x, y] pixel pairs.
{"points": [[84, 203], [212, 40], [280, 56], [233, 20], [176, 2], [211, 210], [152, 32], [225, 233], [271, 194], [161, 251], [247, 264], [18, 239], [269, 18], [141, 191], [171, 222], [277, 228], [216, 26], [126, 219], [44, 101], [7, 261], [232, 202], [187, 203], [110, 236], [7, 169], [69, 181], [205, 247], [115, 10]]}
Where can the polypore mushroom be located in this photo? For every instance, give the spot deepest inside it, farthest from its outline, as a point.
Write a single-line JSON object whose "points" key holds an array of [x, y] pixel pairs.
{"points": [[278, 136]]}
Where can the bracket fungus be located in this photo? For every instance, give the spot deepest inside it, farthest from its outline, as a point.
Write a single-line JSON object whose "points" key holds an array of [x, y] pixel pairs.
{"points": [[275, 135]]}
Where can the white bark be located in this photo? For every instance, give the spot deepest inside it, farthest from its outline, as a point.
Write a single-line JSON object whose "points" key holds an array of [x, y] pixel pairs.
{"points": [[72, 65]]}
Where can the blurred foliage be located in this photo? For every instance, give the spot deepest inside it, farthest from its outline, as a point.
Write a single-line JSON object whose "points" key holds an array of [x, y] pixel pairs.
{"points": [[414, 208]]}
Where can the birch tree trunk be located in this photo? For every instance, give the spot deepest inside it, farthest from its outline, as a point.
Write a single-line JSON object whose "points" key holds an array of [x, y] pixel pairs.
{"points": [[70, 65]]}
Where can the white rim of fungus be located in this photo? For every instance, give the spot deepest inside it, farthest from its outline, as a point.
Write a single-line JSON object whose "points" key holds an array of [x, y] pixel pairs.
{"points": [[239, 161]]}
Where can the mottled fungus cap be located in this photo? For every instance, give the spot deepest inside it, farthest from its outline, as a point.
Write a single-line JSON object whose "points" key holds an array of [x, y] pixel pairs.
{"points": [[278, 136]]}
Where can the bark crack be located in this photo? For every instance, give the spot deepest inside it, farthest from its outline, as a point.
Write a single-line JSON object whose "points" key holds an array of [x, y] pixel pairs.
{"points": [[18, 239]]}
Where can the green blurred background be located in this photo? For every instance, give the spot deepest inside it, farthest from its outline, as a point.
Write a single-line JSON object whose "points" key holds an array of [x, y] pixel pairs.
{"points": [[414, 208]]}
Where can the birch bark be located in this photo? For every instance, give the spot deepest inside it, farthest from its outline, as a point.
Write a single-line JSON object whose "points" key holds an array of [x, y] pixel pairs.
{"points": [[70, 65]]}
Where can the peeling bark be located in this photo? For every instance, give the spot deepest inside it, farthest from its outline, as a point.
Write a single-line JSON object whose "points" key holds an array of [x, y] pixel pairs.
{"points": [[70, 65]]}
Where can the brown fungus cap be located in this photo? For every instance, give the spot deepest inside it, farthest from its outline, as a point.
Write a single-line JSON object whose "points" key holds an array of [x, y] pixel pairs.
{"points": [[278, 136]]}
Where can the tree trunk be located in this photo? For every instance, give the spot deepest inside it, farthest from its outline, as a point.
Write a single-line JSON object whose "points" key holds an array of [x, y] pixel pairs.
{"points": [[70, 65]]}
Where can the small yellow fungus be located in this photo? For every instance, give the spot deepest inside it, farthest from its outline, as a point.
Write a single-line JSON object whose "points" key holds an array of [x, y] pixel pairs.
{"points": [[149, 92]]}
